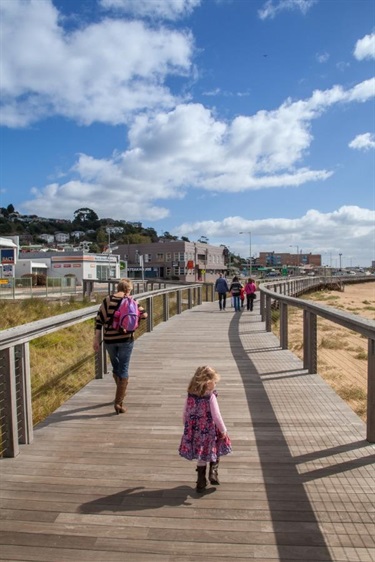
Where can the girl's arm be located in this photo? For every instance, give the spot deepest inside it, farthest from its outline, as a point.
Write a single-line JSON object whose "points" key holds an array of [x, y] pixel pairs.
{"points": [[216, 415]]}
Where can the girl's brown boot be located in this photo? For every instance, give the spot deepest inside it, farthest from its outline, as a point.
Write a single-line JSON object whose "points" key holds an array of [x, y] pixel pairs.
{"points": [[201, 482], [214, 473]]}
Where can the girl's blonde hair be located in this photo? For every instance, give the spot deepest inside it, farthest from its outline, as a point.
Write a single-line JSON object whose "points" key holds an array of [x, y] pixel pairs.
{"points": [[125, 286], [202, 376]]}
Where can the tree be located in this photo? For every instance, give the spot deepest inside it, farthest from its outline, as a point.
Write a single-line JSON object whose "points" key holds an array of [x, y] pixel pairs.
{"points": [[85, 216], [101, 238], [168, 236], [203, 240], [185, 239], [151, 232], [10, 209]]}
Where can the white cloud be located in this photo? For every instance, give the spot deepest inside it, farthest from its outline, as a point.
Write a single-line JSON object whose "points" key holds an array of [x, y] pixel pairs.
{"points": [[166, 9], [365, 47], [348, 230], [103, 72], [322, 57], [272, 9], [188, 147], [363, 142]]}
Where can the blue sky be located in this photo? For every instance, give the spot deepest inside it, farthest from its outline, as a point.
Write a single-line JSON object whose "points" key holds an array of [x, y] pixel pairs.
{"points": [[197, 117]]}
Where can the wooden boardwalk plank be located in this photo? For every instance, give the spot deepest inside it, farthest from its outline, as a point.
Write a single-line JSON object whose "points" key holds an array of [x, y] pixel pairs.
{"points": [[96, 486]]}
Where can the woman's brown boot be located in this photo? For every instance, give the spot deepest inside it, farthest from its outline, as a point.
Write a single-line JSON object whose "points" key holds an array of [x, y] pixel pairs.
{"points": [[120, 395]]}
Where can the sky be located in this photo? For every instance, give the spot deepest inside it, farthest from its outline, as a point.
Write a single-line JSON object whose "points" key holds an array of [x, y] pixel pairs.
{"points": [[248, 122]]}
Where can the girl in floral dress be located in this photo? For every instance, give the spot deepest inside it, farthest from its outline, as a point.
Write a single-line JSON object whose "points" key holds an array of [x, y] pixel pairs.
{"points": [[205, 438]]}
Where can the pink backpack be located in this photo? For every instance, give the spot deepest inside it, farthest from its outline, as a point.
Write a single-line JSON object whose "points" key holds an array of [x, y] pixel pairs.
{"points": [[126, 317]]}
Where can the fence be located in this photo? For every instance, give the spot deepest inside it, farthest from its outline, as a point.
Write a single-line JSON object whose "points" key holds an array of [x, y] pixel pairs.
{"points": [[24, 287], [16, 404], [277, 295], [16, 397]]}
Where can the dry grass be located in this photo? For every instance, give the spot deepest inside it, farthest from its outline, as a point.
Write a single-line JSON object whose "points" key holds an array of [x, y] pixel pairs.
{"points": [[63, 362], [54, 378]]}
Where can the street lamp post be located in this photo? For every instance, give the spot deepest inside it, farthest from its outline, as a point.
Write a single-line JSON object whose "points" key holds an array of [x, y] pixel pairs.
{"points": [[340, 260], [291, 246], [250, 258]]}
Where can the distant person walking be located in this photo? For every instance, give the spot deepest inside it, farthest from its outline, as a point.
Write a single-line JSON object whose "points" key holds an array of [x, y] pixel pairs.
{"points": [[250, 289], [205, 438], [119, 344], [221, 287], [235, 290]]}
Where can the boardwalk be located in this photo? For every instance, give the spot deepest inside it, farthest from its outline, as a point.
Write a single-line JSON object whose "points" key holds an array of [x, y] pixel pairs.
{"points": [[299, 485]]}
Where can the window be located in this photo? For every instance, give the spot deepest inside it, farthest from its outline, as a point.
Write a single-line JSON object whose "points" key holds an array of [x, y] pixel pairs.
{"points": [[159, 257], [147, 258], [182, 271], [181, 256], [168, 256]]}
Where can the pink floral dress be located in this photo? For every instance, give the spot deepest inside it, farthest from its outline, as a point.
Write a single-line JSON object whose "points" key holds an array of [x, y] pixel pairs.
{"points": [[201, 439]]}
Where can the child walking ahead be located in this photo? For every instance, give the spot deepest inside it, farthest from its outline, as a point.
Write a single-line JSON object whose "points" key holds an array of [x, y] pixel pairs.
{"points": [[205, 438]]}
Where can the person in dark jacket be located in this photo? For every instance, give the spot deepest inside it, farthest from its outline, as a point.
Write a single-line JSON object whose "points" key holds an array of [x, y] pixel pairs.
{"points": [[235, 289], [221, 287]]}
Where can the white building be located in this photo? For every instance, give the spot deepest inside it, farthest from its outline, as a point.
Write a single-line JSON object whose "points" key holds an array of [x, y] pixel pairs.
{"points": [[61, 237], [49, 238], [62, 264], [8, 255]]}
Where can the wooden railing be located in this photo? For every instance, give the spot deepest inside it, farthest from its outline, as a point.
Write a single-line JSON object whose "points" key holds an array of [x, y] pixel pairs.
{"points": [[16, 425], [281, 294]]}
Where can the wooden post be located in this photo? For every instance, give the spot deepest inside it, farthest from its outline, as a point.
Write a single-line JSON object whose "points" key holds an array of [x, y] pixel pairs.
{"points": [[268, 314], [24, 378], [190, 298], [165, 307], [309, 341], [179, 302], [10, 407], [371, 392], [150, 313], [284, 325]]}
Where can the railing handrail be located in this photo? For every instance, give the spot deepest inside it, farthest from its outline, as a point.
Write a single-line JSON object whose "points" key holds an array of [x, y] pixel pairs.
{"points": [[28, 332], [366, 327]]}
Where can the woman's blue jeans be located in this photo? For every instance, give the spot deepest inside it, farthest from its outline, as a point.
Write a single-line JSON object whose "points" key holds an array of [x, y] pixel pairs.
{"points": [[119, 354], [236, 302]]}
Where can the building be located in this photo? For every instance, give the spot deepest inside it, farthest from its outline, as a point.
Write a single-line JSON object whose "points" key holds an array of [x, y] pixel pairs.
{"points": [[274, 259], [175, 259], [81, 265], [8, 255]]}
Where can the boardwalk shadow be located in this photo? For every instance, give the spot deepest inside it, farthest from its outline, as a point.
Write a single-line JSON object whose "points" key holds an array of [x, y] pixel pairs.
{"points": [[140, 499], [286, 495], [62, 415]]}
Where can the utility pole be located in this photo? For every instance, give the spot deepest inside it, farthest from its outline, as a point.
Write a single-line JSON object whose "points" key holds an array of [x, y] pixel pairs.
{"points": [[250, 257]]}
